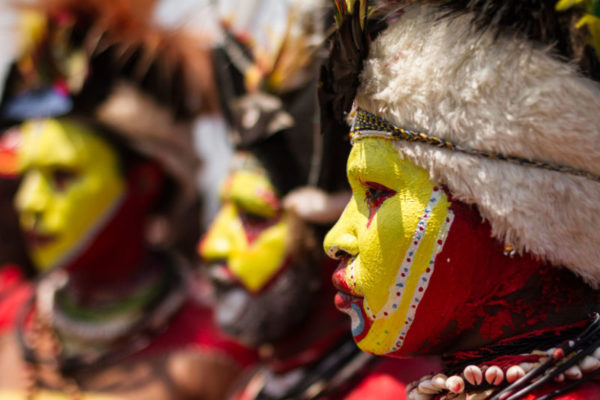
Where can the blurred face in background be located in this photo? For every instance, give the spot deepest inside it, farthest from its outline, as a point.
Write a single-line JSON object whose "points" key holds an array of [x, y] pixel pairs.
{"points": [[71, 186], [259, 271]]}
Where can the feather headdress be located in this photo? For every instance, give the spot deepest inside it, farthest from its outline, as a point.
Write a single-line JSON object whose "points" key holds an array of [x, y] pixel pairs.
{"points": [[513, 82], [269, 98], [110, 62]]}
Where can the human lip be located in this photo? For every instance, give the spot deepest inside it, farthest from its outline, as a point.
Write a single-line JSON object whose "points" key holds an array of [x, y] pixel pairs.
{"points": [[35, 239], [345, 296]]}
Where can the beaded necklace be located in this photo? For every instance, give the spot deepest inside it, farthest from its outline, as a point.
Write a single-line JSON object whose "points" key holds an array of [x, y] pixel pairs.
{"points": [[55, 340]]}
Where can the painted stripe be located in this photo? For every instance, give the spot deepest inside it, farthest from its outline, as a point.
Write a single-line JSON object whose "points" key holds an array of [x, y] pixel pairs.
{"points": [[394, 300], [424, 280]]}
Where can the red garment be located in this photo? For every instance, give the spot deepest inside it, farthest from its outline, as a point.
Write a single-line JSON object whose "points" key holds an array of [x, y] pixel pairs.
{"points": [[14, 292], [193, 327], [586, 391], [386, 379]]}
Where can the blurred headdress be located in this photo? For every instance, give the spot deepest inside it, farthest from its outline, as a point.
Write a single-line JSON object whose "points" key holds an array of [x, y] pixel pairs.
{"points": [[268, 94], [110, 63]]}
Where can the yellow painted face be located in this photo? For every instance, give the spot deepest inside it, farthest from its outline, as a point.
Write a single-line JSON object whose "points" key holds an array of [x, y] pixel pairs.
{"points": [[250, 231], [387, 238], [71, 185]]}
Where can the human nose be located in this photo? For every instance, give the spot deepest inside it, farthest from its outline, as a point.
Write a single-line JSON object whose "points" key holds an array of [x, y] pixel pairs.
{"points": [[33, 195], [342, 241], [216, 243]]}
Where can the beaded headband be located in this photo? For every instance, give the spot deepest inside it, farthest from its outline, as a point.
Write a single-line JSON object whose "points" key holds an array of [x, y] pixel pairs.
{"points": [[367, 125]]}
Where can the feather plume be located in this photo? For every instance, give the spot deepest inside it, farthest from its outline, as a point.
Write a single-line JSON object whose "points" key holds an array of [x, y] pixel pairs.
{"points": [[357, 27], [121, 38]]}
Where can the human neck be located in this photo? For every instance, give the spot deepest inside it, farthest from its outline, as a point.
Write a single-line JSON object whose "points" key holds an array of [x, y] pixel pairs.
{"points": [[552, 300]]}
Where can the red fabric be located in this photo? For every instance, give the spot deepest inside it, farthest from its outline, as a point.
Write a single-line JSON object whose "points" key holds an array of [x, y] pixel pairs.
{"points": [[193, 327], [586, 391], [384, 379], [14, 292], [387, 379]]}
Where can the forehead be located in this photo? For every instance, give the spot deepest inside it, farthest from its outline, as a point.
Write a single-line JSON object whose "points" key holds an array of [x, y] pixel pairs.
{"points": [[61, 142]]}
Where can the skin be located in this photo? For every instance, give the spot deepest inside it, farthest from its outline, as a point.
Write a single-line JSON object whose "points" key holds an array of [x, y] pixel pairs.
{"points": [[71, 185], [263, 260], [249, 231], [444, 288], [378, 230]]}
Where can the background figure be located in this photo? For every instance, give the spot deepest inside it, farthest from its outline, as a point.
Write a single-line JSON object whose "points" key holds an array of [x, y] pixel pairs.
{"points": [[286, 186], [104, 99], [475, 170], [15, 267]]}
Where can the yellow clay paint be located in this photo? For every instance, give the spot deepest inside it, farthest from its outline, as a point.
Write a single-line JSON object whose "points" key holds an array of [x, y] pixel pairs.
{"points": [[253, 263], [71, 185], [383, 249]]}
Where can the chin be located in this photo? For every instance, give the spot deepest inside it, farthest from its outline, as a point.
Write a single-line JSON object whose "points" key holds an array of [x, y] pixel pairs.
{"points": [[269, 316]]}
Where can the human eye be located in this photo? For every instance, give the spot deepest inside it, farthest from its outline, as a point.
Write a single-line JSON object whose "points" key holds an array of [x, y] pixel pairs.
{"points": [[376, 194], [62, 178]]}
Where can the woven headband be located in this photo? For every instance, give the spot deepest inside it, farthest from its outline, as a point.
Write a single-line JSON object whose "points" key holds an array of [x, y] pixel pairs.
{"points": [[367, 125]]}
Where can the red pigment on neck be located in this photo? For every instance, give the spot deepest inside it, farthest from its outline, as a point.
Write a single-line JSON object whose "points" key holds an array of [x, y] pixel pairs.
{"points": [[116, 254]]}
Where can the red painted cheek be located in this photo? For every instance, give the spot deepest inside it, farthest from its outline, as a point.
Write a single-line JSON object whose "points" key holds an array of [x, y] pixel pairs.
{"points": [[470, 273]]}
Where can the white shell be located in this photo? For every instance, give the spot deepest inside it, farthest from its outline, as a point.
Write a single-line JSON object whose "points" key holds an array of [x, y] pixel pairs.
{"points": [[439, 381], [573, 373], [455, 384], [494, 375], [514, 373], [527, 366], [589, 364], [427, 387], [473, 375], [597, 353], [415, 395]]}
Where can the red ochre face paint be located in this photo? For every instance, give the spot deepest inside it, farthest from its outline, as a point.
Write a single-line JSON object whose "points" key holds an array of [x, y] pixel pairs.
{"points": [[472, 280], [419, 267]]}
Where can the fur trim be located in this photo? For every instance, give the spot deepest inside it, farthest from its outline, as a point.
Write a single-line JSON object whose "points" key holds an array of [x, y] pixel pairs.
{"points": [[495, 93]]}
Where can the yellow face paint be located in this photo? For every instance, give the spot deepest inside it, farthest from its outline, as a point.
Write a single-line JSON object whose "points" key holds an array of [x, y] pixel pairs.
{"points": [[392, 229], [250, 231], [71, 185]]}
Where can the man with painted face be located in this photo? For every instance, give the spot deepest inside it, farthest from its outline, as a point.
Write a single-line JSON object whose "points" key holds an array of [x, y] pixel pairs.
{"points": [[103, 100], [15, 267], [472, 232], [270, 276]]}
